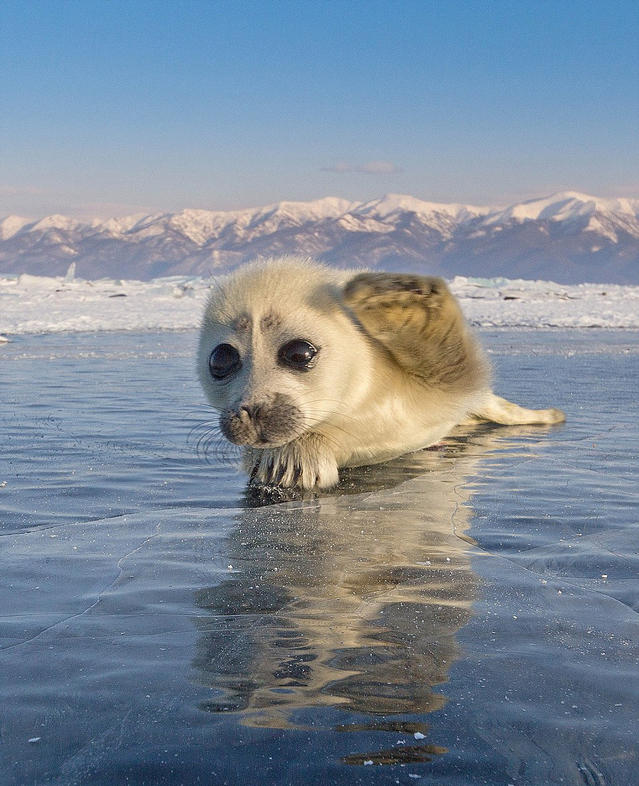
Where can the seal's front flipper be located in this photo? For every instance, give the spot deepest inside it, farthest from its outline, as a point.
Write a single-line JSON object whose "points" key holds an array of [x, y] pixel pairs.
{"points": [[305, 463]]}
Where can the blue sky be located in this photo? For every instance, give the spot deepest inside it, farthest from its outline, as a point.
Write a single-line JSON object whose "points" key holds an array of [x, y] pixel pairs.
{"points": [[116, 107]]}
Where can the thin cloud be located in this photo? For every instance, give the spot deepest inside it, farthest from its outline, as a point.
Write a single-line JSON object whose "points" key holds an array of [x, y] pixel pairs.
{"points": [[369, 168]]}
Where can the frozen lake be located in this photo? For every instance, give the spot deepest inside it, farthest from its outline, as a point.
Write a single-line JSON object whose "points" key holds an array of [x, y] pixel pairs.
{"points": [[465, 615]]}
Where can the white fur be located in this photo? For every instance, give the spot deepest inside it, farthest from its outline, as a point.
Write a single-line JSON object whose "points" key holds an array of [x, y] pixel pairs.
{"points": [[358, 405]]}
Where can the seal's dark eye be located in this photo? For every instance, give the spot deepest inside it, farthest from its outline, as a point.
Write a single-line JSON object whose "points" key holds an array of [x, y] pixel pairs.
{"points": [[224, 360], [298, 354]]}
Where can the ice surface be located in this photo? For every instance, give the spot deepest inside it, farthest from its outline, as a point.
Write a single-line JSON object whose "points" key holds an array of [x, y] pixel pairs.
{"points": [[41, 304], [469, 612]]}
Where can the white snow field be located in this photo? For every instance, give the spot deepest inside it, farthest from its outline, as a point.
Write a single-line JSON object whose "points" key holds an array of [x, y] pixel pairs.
{"points": [[41, 304]]}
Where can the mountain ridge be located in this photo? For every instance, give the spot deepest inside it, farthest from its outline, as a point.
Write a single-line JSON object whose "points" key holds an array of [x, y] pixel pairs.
{"points": [[567, 236]]}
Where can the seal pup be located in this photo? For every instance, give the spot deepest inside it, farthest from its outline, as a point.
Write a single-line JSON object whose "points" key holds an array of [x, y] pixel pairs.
{"points": [[313, 369]]}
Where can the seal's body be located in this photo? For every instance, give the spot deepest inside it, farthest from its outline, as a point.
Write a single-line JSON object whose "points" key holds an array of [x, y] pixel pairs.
{"points": [[313, 369]]}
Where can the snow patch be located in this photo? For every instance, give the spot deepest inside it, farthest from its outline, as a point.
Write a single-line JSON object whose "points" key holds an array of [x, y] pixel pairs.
{"points": [[563, 206], [11, 225]]}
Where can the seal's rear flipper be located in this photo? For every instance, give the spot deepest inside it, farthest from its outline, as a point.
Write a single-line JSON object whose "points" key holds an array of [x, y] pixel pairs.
{"points": [[498, 410]]}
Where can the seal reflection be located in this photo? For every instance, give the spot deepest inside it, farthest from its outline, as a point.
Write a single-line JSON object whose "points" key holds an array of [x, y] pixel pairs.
{"points": [[349, 601]]}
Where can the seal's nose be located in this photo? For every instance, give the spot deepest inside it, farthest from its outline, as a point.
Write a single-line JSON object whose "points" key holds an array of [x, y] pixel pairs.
{"points": [[248, 412], [273, 421]]}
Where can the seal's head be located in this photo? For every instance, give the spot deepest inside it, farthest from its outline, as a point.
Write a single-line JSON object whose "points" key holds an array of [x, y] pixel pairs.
{"points": [[271, 354]]}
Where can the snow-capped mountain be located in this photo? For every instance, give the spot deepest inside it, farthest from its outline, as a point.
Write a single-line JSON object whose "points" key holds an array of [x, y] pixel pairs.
{"points": [[567, 237]]}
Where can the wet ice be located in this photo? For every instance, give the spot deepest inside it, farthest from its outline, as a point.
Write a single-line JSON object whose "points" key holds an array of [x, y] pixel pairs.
{"points": [[470, 612]]}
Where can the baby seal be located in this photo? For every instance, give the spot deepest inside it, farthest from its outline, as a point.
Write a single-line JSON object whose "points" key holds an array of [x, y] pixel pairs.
{"points": [[313, 369]]}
